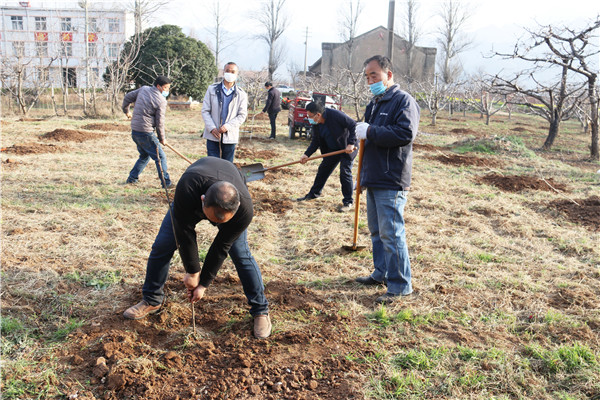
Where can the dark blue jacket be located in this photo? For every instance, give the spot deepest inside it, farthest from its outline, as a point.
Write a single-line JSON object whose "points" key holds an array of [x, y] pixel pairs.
{"points": [[394, 122], [340, 126]]}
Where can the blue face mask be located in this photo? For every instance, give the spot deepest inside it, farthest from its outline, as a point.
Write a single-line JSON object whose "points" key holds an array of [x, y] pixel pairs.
{"points": [[377, 88], [312, 121], [165, 93]]}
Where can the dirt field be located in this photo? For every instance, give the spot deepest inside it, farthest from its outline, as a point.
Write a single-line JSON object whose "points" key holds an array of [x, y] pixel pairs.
{"points": [[505, 253]]}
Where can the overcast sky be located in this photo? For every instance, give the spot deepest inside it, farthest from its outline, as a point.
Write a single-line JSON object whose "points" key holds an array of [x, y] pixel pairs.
{"points": [[492, 25]]}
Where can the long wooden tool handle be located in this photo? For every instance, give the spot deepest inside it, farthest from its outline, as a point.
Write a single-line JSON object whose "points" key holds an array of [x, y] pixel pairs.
{"points": [[361, 151], [178, 153], [308, 159]]}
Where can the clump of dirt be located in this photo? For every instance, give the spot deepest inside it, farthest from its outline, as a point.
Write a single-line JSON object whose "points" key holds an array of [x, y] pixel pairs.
{"points": [[519, 129], [516, 183], [279, 174], [223, 360], [25, 119], [587, 213], [269, 201], [70, 135], [425, 147], [32, 148], [463, 160], [107, 127], [242, 152], [464, 131]]}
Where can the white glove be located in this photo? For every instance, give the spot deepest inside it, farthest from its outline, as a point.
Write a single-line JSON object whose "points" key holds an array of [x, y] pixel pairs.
{"points": [[361, 130]]}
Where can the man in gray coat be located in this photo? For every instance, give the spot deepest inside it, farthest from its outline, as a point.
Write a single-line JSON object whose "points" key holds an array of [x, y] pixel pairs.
{"points": [[148, 114], [224, 110]]}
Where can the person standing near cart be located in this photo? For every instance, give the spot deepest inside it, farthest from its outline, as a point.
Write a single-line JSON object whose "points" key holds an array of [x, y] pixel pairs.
{"points": [[272, 107], [224, 110]]}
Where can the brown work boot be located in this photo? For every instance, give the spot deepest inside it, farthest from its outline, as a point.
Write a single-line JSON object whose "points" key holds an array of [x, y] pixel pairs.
{"points": [[262, 326], [140, 310]]}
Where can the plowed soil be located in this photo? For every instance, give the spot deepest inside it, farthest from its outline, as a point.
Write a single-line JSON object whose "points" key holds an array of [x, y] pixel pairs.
{"points": [[460, 160], [252, 154], [143, 359], [107, 127], [516, 183], [32, 148], [70, 135], [586, 212]]}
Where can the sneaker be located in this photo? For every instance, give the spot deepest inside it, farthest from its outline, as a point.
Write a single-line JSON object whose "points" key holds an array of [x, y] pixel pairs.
{"points": [[307, 197], [131, 181], [368, 281], [140, 310], [389, 298], [169, 185], [271, 138], [346, 207], [262, 326]]}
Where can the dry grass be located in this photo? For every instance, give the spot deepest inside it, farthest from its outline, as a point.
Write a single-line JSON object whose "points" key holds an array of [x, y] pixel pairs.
{"points": [[496, 273]]}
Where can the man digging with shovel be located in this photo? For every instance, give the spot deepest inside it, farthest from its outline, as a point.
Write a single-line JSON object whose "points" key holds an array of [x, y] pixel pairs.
{"points": [[211, 189]]}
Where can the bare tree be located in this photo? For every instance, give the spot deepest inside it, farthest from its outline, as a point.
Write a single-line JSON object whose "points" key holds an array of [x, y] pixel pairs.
{"points": [[481, 95], [451, 39], [555, 103], [143, 10], [272, 19], [574, 50], [254, 85], [349, 86], [221, 40], [348, 27], [411, 32], [435, 95]]}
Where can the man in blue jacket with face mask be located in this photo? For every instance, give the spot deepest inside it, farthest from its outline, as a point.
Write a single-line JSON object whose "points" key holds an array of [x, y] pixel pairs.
{"points": [[390, 127]]}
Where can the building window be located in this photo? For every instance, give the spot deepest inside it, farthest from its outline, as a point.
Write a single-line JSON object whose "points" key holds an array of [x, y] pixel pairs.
{"points": [[41, 49], [113, 25], [92, 50], [65, 25], [93, 25], [95, 75], [43, 74], [19, 48], [17, 23], [40, 24], [113, 50], [67, 49]]}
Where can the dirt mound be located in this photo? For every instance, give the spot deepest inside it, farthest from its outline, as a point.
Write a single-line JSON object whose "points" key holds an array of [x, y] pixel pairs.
{"points": [[256, 138], [25, 119], [516, 183], [242, 152], [586, 213], [70, 135], [461, 160], [159, 358], [519, 129], [279, 174], [425, 147], [32, 148], [107, 127], [268, 201], [464, 131]]}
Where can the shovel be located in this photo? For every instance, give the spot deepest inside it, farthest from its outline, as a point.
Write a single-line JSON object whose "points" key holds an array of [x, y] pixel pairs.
{"points": [[178, 153], [254, 172], [354, 247]]}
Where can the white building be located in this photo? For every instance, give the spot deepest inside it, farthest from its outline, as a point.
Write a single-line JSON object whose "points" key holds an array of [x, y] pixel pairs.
{"points": [[50, 43]]}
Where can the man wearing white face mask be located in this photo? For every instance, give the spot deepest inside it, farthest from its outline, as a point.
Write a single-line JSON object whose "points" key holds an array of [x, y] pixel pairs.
{"points": [[224, 110]]}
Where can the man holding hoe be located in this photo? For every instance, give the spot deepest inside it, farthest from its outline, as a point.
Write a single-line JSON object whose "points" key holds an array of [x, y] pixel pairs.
{"points": [[210, 189]]}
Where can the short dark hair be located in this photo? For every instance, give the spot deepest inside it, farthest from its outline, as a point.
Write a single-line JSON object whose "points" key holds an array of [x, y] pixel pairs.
{"points": [[384, 63], [161, 80], [315, 108], [231, 63], [267, 84], [224, 197]]}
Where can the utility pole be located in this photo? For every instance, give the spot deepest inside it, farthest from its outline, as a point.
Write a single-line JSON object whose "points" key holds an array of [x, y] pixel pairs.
{"points": [[305, 51], [391, 13], [86, 43]]}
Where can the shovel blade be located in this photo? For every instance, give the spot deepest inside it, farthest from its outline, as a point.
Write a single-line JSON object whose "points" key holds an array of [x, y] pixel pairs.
{"points": [[253, 172], [354, 248]]}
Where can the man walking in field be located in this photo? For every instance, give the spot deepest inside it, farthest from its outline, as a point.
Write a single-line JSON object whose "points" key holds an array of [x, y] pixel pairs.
{"points": [[331, 130], [148, 114], [392, 122], [272, 107], [210, 189], [224, 110]]}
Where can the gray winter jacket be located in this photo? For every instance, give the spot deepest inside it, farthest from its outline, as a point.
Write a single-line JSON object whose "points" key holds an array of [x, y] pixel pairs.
{"points": [[211, 113], [149, 110]]}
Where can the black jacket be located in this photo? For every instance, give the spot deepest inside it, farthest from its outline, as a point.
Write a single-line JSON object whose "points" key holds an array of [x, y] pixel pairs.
{"points": [[394, 122], [187, 212], [341, 127], [273, 104]]}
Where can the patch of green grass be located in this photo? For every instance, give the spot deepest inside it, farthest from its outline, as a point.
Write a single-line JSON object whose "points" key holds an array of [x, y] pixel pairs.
{"points": [[10, 325], [28, 380], [62, 333], [96, 279], [562, 359], [381, 316], [476, 147], [419, 359]]}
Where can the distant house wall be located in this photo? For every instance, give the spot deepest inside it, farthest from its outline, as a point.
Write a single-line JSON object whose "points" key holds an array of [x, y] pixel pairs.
{"points": [[336, 56]]}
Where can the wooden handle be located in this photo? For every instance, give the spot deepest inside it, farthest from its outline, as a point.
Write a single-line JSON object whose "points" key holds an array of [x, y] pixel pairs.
{"points": [[178, 153], [361, 151], [308, 159]]}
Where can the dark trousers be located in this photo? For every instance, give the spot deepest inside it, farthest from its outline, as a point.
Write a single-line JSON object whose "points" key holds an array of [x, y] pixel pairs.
{"points": [[147, 144], [220, 150], [272, 120], [159, 262], [326, 168]]}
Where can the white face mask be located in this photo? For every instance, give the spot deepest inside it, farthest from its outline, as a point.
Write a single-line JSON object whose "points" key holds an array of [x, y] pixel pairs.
{"points": [[229, 77]]}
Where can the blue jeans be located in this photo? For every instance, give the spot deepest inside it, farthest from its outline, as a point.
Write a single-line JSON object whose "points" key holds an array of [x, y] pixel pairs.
{"points": [[225, 151], [146, 146], [159, 262], [385, 209]]}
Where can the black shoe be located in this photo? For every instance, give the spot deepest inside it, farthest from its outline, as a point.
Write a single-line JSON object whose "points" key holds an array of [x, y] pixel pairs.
{"points": [[389, 298], [368, 281], [169, 185], [346, 207], [271, 137], [307, 197], [131, 181]]}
